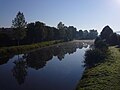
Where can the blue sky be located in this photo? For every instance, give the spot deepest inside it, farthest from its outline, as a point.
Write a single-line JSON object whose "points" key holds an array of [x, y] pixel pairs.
{"points": [[83, 14]]}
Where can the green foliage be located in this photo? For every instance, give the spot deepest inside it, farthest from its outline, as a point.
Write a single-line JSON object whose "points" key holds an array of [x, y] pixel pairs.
{"points": [[100, 44], [31, 33], [80, 34], [103, 64], [19, 21], [109, 37], [4, 39], [92, 34], [19, 33], [114, 39], [71, 32], [18, 25], [60, 25], [94, 56], [39, 32], [85, 34], [106, 32]]}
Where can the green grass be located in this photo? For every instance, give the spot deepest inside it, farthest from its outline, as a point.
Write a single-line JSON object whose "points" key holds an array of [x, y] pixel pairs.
{"points": [[105, 76], [5, 51]]}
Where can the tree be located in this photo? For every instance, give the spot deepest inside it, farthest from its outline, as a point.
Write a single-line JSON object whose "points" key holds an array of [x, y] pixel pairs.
{"points": [[71, 32], [60, 25], [80, 34], [97, 39], [100, 44], [62, 30], [119, 39], [31, 33], [85, 34], [20, 71], [93, 57], [106, 32], [4, 39], [56, 33], [92, 34], [19, 25], [113, 39], [40, 31], [68, 34], [49, 33]]}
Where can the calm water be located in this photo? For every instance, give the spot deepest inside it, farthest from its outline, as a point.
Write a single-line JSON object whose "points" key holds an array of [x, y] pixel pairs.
{"points": [[55, 68]]}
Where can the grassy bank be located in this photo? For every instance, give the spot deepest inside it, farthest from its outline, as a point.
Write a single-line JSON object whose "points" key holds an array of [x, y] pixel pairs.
{"points": [[4, 51], [105, 76]]}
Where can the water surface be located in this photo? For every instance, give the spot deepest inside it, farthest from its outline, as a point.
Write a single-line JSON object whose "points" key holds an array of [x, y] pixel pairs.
{"points": [[57, 67]]}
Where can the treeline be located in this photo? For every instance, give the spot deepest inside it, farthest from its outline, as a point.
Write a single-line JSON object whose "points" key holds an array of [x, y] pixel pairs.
{"points": [[23, 33], [38, 31]]}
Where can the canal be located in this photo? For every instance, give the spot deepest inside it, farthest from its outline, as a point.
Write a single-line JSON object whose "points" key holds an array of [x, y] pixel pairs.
{"points": [[58, 67]]}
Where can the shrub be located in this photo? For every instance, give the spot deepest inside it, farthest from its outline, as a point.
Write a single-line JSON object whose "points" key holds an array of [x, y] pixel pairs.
{"points": [[100, 44], [94, 57]]}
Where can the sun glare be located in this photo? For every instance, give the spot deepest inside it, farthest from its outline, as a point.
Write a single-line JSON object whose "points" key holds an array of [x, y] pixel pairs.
{"points": [[117, 1]]}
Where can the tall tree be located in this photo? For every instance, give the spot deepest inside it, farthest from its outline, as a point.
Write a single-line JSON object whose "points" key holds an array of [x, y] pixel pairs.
{"points": [[62, 30], [20, 71], [31, 32], [60, 25], [71, 32], [80, 34], [114, 39], [92, 34], [106, 32], [40, 31], [85, 34], [19, 25]]}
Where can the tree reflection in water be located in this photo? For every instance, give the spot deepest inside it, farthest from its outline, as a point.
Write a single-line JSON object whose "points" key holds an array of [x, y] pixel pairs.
{"points": [[4, 60], [20, 70], [39, 58]]}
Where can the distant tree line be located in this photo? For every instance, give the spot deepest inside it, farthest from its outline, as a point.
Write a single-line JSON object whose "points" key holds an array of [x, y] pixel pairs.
{"points": [[23, 33]]}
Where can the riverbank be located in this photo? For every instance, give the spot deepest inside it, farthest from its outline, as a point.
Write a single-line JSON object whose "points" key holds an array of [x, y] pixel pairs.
{"points": [[105, 76], [5, 51]]}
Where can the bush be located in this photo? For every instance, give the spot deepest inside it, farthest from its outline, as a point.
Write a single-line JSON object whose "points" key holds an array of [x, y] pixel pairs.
{"points": [[114, 39], [94, 57], [100, 44]]}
